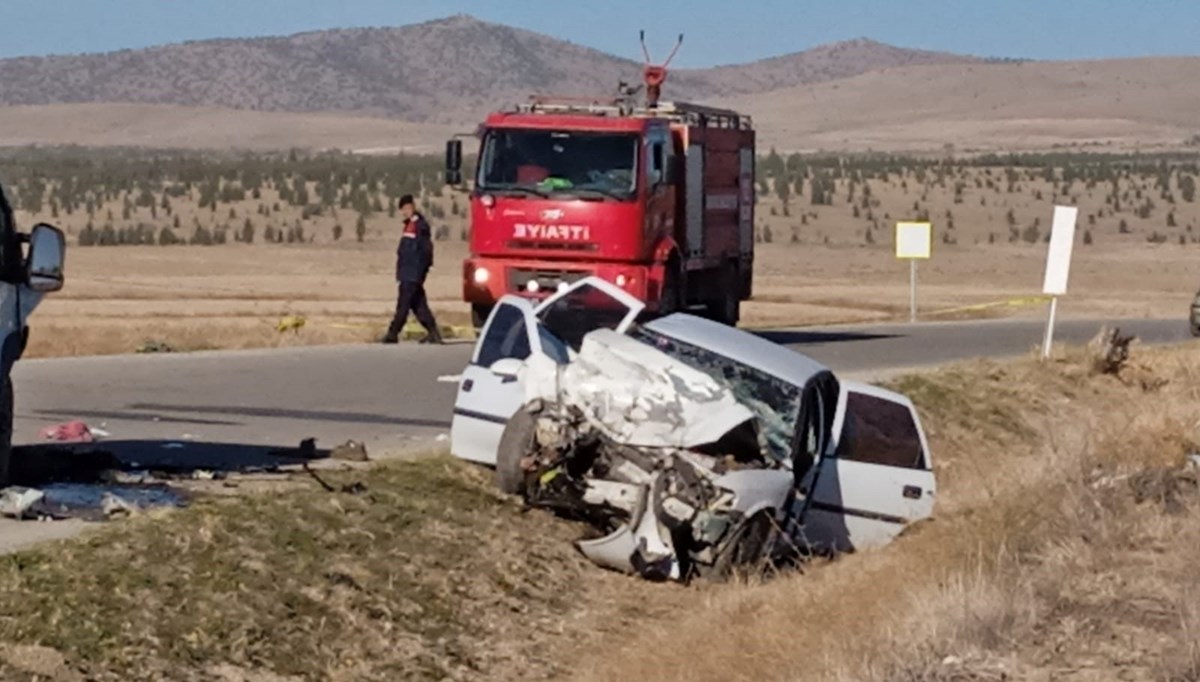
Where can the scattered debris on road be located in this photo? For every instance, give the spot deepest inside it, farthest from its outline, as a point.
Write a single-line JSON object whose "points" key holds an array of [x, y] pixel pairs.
{"points": [[69, 432], [16, 502], [1110, 350], [350, 451], [356, 488], [155, 346]]}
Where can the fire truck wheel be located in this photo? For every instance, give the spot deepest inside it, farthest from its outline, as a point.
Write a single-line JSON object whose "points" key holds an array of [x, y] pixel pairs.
{"points": [[479, 314], [727, 308], [671, 296]]}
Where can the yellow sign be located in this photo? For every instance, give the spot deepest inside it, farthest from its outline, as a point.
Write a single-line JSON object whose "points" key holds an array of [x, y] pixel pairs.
{"points": [[914, 240]]}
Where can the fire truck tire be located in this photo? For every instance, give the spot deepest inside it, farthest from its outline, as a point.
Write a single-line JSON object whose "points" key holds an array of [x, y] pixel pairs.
{"points": [[479, 315], [671, 298], [727, 307]]}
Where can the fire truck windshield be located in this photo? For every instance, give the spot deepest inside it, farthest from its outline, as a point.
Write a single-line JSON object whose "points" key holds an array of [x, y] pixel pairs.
{"points": [[557, 163]]}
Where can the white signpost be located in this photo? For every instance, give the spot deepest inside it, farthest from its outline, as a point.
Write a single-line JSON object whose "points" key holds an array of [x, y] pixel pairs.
{"points": [[1058, 265], [914, 242]]}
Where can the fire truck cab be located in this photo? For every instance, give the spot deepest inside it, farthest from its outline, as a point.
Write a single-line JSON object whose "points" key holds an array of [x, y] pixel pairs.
{"points": [[657, 198]]}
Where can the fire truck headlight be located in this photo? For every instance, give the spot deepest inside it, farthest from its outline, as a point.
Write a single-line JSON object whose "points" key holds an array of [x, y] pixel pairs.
{"points": [[481, 275], [562, 286], [622, 280], [532, 286]]}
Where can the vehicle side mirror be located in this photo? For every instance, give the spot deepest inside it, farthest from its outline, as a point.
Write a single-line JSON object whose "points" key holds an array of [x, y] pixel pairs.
{"points": [[454, 162], [44, 263], [507, 368]]}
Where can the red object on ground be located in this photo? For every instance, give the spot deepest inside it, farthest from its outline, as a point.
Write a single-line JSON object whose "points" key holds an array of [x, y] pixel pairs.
{"points": [[70, 432]]}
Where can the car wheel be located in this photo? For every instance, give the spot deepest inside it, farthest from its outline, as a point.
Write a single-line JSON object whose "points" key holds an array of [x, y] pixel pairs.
{"points": [[6, 430], [479, 315], [515, 443], [746, 548]]}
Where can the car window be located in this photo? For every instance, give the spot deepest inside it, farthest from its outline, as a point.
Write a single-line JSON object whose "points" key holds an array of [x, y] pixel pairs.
{"points": [[880, 431], [507, 337]]}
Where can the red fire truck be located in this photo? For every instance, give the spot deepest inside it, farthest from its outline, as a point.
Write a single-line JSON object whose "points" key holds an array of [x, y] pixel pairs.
{"points": [[656, 197]]}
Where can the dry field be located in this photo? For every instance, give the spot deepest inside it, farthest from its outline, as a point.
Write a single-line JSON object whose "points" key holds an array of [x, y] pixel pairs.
{"points": [[119, 299], [1063, 547], [176, 127], [824, 263], [1122, 104]]}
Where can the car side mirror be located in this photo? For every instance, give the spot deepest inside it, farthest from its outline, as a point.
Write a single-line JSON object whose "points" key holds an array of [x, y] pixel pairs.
{"points": [[506, 368], [454, 162], [44, 263]]}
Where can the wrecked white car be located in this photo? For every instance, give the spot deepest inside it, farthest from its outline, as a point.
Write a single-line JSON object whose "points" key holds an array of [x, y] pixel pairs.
{"points": [[692, 447]]}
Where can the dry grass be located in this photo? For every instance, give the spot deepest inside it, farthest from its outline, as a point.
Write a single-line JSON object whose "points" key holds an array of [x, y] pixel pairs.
{"points": [[1103, 104], [222, 297], [167, 126], [427, 575], [1065, 540]]}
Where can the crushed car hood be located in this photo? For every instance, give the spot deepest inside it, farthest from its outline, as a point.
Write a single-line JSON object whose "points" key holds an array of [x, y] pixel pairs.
{"points": [[639, 396]]}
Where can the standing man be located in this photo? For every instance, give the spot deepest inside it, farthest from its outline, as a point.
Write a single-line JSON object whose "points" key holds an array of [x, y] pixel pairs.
{"points": [[414, 257]]}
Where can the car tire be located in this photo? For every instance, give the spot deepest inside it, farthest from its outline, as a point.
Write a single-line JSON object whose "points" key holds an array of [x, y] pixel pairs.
{"points": [[479, 315], [6, 430], [515, 443], [745, 550]]}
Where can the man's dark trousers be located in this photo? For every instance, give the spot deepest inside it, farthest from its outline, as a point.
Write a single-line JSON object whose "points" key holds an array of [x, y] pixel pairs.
{"points": [[412, 299]]}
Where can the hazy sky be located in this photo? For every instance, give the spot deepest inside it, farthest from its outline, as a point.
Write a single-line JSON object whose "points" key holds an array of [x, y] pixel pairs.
{"points": [[718, 31]]}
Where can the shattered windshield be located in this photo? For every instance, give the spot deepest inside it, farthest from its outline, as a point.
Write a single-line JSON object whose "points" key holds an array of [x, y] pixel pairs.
{"points": [[546, 162], [775, 402]]}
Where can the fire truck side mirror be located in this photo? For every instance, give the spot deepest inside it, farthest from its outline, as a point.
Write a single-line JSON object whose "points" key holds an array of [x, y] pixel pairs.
{"points": [[454, 162]]}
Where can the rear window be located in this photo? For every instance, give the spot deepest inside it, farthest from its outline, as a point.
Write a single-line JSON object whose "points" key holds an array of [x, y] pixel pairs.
{"points": [[880, 431]]}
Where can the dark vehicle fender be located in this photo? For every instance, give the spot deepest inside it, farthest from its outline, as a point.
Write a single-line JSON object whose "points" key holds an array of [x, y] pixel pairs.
{"points": [[12, 349]]}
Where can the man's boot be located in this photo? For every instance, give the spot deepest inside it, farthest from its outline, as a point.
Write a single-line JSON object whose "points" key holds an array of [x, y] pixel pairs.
{"points": [[434, 337]]}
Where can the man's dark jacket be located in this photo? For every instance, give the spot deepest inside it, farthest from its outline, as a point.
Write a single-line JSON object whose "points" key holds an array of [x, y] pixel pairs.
{"points": [[414, 256]]}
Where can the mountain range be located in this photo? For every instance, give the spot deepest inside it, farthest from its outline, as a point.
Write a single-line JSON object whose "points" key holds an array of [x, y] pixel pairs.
{"points": [[389, 87]]}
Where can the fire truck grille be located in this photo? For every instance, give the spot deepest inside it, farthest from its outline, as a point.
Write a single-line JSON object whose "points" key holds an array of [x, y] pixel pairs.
{"points": [[551, 246], [547, 280]]}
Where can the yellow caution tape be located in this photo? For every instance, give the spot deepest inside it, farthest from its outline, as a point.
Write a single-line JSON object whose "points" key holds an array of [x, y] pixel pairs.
{"points": [[1007, 303]]}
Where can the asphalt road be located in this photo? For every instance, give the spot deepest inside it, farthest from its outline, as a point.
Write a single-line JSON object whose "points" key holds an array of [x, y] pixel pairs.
{"points": [[233, 408]]}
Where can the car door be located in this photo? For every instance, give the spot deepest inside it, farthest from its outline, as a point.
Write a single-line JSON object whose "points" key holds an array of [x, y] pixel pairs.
{"points": [[490, 390], [876, 476], [585, 306]]}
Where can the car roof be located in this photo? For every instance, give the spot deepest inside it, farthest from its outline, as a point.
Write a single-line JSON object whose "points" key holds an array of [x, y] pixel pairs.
{"points": [[744, 347]]}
